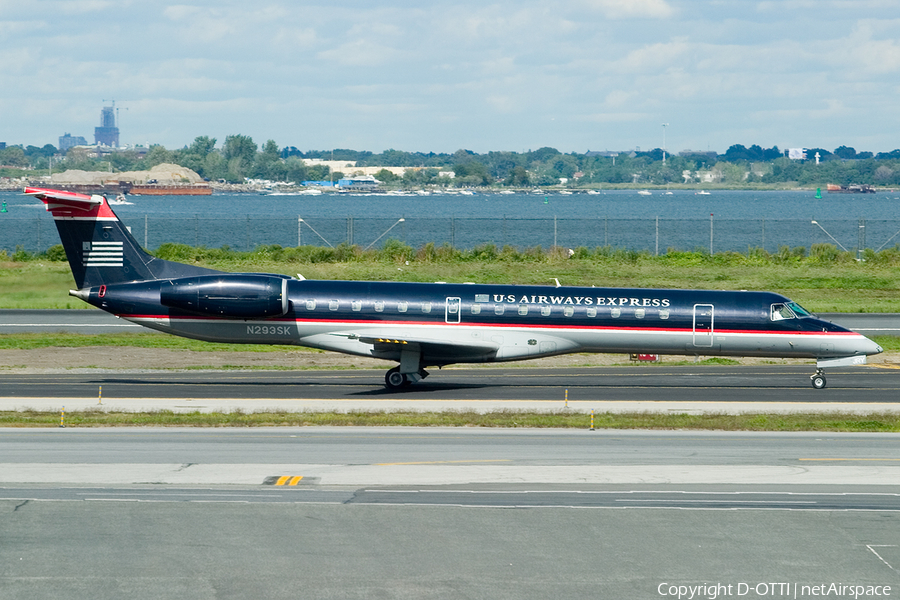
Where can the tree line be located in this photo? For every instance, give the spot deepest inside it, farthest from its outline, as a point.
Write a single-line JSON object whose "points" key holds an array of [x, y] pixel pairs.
{"points": [[239, 158]]}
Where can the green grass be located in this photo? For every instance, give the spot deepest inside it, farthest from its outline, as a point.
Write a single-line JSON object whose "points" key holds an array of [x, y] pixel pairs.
{"points": [[826, 422], [30, 341]]}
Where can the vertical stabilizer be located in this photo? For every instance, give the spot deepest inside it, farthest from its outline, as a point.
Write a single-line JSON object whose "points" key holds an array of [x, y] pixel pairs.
{"points": [[100, 249]]}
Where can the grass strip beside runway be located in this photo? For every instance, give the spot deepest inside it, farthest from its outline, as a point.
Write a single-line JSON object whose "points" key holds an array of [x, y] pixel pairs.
{"points": [[833, 422], [31, 341]]}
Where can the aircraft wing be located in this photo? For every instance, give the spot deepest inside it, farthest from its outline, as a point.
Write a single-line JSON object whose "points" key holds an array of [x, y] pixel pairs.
{"points": [[387, 342]]}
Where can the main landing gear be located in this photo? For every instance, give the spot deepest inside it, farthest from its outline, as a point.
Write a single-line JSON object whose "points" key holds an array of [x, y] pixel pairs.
{"points": [[395, 380], [818, 379]]}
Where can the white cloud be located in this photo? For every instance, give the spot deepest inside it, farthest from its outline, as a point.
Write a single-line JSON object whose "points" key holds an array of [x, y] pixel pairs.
{"points": [[631, 9], [360, 53], [822, 6]]}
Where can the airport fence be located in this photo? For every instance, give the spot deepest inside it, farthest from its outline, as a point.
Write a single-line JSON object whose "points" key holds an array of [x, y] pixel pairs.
{"points": [[654, 235]]}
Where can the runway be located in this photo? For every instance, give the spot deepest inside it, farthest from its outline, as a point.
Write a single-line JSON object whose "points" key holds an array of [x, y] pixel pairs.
{"points": [[440, 513], [734, 389]]}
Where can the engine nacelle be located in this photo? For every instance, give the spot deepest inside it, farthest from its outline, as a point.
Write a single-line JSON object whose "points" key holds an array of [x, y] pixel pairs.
{"points": [[239, 296]]}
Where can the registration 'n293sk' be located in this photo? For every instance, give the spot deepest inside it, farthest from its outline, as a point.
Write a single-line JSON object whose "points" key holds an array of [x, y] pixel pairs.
{"points": [[268, 330]]}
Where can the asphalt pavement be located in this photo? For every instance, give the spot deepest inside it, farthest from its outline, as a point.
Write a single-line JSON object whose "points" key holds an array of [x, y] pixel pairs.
{"points": [[639, 388], [443, 513]]}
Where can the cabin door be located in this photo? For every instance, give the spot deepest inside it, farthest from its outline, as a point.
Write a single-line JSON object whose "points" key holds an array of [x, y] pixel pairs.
{"points": [[704, 319], [451, 313]]}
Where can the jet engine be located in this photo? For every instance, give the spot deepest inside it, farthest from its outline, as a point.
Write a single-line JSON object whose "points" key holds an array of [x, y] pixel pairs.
{"points": [[243, 296]]}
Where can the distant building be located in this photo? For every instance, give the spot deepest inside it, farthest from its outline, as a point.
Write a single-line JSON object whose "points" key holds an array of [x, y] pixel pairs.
{"points": [[68, 141], [107, 134], [364, 183]]}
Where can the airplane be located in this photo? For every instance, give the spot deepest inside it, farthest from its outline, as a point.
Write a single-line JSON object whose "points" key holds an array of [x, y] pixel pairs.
{"points": [[423, 325]]}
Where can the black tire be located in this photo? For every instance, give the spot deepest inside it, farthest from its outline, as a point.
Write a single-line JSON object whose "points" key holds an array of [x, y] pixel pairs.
{"points": [[394, 379], [818, 381]]}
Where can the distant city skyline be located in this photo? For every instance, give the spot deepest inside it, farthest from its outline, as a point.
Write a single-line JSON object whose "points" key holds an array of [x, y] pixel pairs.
{"points": [[576, 76]]}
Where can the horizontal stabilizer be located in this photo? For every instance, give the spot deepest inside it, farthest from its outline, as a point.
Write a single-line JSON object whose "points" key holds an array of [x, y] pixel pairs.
{"points": [[62, 203]]}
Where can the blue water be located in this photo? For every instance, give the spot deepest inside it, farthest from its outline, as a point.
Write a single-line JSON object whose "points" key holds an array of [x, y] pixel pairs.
{"points": [[737, 220]]}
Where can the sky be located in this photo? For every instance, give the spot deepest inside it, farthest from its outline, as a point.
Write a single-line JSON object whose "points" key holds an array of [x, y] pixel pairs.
{"points": [[440, 76]]}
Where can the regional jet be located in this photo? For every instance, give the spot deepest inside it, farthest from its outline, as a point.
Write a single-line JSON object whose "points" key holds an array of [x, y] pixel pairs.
{"points": [[422, 325]]}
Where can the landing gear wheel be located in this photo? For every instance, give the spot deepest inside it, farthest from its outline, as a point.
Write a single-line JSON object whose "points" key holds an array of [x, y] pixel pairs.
{"points": [[394, 379], [818, 380]]}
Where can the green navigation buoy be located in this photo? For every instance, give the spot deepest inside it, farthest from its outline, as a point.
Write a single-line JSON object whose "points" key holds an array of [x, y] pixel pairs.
{"points": [[819, 193], [546, 200], [3, 207]]}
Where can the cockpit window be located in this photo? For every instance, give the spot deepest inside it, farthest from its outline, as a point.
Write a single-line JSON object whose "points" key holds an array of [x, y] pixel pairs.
{"points": [[799, 310], [780, 312]]}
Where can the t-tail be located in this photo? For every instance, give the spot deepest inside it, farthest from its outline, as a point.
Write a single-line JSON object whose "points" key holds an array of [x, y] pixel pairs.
{"points": [[100, 249]]}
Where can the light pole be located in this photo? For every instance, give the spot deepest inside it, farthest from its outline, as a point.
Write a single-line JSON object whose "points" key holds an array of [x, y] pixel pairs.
{"points": [[664, 125]]}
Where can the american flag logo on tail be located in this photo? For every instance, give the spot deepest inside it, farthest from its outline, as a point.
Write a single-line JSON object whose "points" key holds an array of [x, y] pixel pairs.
{"points": [[103, 254]]}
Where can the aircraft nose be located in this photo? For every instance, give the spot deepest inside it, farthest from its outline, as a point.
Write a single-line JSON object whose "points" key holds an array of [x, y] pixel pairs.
{"points": [[868, 347]]}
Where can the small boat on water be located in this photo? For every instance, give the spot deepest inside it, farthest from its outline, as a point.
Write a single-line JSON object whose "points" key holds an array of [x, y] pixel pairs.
{"points": [[644, 193], [120, 200], [702, 193]]}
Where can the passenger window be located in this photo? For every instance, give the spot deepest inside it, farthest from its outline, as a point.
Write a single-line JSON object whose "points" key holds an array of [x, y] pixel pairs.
{"points": [[356, 305], [426, 307], [523, 309], [664, 313], [498, 309], [379, 306], [568, 311], [591, 312], [615, 313], [639, 313], [333, 305], [476, 309], [402, 306], [311, 304], [545, 311]]}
